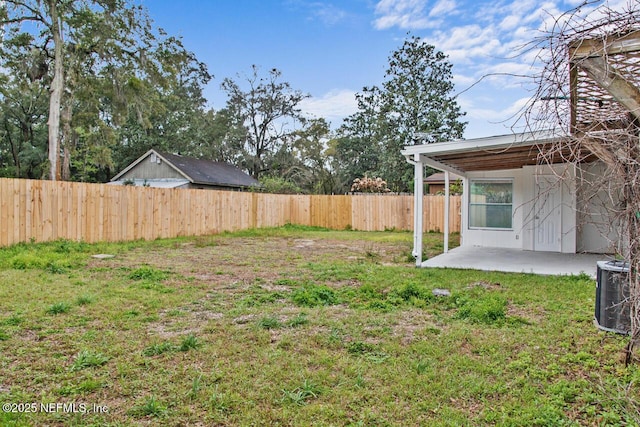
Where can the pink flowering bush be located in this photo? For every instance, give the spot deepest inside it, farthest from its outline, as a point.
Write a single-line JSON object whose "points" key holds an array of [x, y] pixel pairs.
{"points": [[369, 185]]}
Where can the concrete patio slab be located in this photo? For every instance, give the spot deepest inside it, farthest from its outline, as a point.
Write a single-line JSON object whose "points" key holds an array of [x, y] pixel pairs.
{"points": [[517, 261]]}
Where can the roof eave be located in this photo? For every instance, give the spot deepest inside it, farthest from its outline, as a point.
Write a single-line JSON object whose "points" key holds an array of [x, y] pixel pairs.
{"points": [[486, 143]]}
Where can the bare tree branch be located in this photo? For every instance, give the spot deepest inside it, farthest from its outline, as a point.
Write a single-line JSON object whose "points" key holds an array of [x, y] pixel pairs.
{"points": [[589, 89]]}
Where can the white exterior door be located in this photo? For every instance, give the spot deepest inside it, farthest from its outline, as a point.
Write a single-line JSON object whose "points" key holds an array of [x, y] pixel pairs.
{"points": [[548, 215]]}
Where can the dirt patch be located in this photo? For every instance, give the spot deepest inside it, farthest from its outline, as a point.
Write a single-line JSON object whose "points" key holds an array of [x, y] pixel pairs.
{"points": [[246, 260], [489, 286]]}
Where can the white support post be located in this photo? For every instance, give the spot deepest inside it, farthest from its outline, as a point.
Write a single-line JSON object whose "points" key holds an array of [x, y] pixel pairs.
{"points": [[446, 211], [418, 195]]}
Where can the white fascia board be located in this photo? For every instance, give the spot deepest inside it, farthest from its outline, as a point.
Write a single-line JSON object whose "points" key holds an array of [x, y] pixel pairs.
{"points": [[476, 144]]}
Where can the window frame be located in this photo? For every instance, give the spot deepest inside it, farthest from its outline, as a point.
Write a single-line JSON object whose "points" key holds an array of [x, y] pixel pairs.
{"points": [[472, 181]]}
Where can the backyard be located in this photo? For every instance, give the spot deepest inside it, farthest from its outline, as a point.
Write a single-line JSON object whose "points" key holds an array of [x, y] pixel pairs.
{"points": [[297, 326]]}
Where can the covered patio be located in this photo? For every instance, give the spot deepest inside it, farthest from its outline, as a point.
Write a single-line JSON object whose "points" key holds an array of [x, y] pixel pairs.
{"points": [[517, 261]]}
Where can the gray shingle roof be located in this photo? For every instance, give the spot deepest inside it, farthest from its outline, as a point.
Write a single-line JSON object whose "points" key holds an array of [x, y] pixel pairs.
{"points": [[208, 172]]}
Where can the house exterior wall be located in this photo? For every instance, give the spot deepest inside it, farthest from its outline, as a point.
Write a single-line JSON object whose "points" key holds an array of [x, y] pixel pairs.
{"points": [[525, 189], [596, 227], [148, 169], [436, 188], [486, 237]]}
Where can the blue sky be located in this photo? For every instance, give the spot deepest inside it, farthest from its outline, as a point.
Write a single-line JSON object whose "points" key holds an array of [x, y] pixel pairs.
{"points": [[331, 49]]}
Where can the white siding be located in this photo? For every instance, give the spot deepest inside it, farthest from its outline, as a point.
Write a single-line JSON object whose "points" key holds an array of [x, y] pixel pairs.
{"points": [[521, 235]]}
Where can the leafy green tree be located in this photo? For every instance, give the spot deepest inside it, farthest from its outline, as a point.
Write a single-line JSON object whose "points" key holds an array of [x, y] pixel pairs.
{"points": [[415, 97], [357, 149], [166, 109], [114, 86], [311, 148], [52, 19], [263, 115], [23, 113]]}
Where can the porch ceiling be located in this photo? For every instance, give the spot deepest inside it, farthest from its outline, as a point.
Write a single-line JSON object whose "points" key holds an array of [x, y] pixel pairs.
{"points": [[486, 160], [511, 157]]}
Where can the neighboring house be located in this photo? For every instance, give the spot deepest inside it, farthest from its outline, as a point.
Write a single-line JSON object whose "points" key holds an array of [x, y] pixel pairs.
{"points": [[509, 200], [435, 182], [158, 169]]}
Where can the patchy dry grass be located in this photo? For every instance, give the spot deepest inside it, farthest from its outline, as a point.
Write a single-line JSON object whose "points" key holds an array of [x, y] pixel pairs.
{"points": [[297, 326]]}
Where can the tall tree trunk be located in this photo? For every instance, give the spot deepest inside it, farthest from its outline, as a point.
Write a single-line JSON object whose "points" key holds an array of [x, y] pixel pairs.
{"points": [[67, 140], [57, 85]]}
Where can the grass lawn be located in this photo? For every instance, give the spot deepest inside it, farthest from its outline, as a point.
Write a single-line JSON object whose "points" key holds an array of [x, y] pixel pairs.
{"points": [[296, 326]]}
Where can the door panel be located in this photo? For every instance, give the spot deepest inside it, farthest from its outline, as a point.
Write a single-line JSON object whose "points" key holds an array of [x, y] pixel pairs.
{"points": [[548, 216]]}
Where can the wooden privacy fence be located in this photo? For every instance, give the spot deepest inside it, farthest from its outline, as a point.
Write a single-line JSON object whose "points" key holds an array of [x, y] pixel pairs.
{"points": [[33, 210]]}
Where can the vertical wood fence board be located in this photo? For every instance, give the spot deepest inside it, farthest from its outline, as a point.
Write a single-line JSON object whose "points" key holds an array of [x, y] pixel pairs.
{"points": [[44, 210], [81, 214], [4, 219], [20, 231], [59, 216], [9, 209], [92, 203]]}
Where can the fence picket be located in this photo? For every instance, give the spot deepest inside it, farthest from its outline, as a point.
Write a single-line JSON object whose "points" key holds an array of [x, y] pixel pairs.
{"points": [[46, 210]]}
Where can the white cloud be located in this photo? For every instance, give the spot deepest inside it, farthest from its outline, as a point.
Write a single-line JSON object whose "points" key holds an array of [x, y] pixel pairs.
{"points": [[493, 117], [327, 13], [489, 43], [323, 11], [405, 14], [443, 7], [333, 105]]}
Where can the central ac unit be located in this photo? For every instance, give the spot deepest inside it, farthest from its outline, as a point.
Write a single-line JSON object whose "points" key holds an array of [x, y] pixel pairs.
{"points": [[613, 312]]}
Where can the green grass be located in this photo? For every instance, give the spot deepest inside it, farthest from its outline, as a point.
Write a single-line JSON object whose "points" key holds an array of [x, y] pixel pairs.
{"points": [[300, 326]]}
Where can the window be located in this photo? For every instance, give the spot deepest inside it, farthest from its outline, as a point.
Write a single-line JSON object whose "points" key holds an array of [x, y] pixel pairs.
{"points": [[491, 204]]}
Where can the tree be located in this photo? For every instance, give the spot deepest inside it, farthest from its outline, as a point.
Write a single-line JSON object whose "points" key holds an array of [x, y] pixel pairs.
{"points": [[260, 115], [23, 112], [163, 106], [415, 97], [357, 148], [53, 19], [589, 91], [114, 85], [304, 161]]}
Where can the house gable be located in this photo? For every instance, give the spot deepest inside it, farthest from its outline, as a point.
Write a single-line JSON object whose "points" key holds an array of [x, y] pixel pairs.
{"points": [[150, 167], [155, 166]]}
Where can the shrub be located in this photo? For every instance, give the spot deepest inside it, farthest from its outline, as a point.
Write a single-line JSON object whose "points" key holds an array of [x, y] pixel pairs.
{"points": [[369, 185], [278, 185]]}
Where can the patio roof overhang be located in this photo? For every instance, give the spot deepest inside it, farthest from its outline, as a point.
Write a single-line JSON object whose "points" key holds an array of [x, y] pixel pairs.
{"points": [[511, 151], [482, 154]]}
